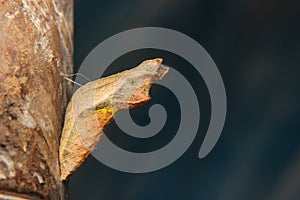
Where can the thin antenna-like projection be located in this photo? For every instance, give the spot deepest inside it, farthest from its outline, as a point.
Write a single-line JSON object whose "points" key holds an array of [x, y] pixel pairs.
{"points": [[68, 79], [77, 74], [71, 75]]}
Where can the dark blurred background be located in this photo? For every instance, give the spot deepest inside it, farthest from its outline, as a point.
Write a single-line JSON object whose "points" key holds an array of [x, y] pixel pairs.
{"points": [[256, 46]]}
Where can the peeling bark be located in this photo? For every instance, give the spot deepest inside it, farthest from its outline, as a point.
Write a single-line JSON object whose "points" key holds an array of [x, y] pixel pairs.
{"points": [[36, 45]]}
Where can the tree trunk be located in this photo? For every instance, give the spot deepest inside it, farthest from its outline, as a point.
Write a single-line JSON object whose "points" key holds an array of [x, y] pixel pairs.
{"points": [[36, 46]]}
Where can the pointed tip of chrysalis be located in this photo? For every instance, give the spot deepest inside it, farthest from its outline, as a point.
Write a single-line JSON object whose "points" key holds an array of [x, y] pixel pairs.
{"points": [[153, 67], [159, 60]]}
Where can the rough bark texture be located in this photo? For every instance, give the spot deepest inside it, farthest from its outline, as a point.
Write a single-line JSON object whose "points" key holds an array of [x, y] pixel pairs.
{"points": [[35, 47]]}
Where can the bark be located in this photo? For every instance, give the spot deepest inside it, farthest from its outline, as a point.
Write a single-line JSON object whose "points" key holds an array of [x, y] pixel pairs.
{"points": [[36, 46]]}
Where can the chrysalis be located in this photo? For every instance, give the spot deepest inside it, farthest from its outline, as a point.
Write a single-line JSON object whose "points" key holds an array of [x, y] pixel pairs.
{"points": [[93, 106]]}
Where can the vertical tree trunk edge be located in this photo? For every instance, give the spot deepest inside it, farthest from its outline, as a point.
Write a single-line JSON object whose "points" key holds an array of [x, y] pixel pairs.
{"points": [[36, 47]]}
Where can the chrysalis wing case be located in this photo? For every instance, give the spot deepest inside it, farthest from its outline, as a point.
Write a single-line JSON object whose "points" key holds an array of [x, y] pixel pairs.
{"points": [[93, 106]]}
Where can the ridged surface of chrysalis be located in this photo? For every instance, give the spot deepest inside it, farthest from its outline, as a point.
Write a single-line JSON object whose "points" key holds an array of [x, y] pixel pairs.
{"points": [[93, 106]]}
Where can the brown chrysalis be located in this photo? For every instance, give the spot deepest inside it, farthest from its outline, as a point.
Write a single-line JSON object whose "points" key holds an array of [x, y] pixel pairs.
{"points": [[93, 106]]}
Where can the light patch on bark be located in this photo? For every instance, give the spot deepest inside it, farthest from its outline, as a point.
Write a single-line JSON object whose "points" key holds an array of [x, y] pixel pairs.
{"points": [[39, 177], [8, 170]]}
